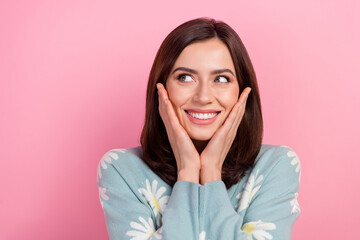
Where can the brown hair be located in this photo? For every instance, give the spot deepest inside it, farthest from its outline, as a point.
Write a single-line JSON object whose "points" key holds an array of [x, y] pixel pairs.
{"points": [[154, 140]]}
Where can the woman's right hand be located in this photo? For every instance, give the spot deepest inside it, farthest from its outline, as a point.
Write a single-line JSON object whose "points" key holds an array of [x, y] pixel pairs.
{"points": [[186, 155]]}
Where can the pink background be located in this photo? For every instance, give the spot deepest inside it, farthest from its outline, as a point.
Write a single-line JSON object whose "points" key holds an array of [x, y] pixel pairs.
{"points": [[72, 86]]}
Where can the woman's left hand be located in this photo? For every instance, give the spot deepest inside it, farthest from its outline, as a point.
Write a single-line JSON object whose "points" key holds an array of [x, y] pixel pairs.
{"points": [[214, 154]]}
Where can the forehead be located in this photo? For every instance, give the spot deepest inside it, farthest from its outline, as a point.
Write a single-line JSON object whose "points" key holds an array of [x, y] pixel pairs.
{"points": [[205, 55]]}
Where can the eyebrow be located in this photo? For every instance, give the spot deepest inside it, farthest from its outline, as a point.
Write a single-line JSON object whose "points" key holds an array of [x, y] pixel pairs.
{"points": [[195, 72]]}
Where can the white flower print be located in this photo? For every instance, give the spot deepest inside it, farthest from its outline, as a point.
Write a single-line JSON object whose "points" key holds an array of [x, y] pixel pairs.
{"points": [[202, 235], [295, 208], [157, 234], [295, 162], [258, 230], [108, 157], [143, 231], [102, 194], [250, 189], [154, 196]]}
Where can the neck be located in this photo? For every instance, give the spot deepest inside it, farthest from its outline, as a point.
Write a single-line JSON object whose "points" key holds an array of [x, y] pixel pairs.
{"points": [[200, 145]]}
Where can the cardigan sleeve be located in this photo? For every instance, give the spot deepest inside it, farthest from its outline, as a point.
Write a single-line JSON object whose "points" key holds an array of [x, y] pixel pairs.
{"points": [[129, 217], [269, 211], [195, 211]]}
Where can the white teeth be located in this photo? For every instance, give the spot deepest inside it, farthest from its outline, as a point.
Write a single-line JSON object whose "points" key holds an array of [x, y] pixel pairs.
{"points": [[203, 116]]}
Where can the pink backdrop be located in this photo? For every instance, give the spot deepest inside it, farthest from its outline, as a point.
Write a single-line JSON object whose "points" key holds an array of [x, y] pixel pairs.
{"points": [[72, 86]]}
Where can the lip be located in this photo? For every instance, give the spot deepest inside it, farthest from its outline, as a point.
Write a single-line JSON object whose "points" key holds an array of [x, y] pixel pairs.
{"points": [[202, 121], [202, 110]]}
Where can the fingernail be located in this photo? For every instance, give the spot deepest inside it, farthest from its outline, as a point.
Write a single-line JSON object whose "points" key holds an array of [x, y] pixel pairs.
{"points": [[249, 91], [159, 89]]}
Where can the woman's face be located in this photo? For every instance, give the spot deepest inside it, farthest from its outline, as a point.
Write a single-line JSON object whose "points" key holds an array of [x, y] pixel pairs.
{"points": [[203, 87]]}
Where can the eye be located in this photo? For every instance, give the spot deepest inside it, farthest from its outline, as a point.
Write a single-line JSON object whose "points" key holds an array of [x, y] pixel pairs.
{"points": [[222, 79], [182, 78]]}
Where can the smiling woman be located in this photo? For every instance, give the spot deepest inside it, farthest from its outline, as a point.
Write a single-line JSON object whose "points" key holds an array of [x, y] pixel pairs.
{"points": [[202, 98], [201, 171]]}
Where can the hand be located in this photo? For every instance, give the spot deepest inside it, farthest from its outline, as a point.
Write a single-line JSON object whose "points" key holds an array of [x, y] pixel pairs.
{"points": [[186, 155], [214, 154]]}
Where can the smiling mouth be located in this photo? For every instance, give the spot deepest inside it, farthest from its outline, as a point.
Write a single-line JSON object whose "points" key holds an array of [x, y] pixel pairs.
{"points": [[202, 116]]}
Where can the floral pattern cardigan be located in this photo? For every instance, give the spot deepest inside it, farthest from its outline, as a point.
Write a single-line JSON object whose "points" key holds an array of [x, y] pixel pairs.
{"points": [[139, 205]]}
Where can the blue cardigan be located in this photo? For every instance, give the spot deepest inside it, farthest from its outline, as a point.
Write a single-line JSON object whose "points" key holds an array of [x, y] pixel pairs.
{"points": [[138, 204]]}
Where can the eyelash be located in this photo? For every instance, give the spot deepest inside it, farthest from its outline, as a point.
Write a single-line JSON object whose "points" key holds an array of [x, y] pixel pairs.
{"points": [[181, 75]]}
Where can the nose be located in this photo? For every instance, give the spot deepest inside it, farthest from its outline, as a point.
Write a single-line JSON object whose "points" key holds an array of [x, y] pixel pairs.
{"points": [[204, 94]]}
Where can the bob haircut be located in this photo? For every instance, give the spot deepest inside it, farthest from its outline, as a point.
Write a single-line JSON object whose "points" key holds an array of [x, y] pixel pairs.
{"points": [[156, 147]]}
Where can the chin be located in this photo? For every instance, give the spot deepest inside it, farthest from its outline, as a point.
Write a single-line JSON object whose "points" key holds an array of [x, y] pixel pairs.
{"points": [[199, 136]]}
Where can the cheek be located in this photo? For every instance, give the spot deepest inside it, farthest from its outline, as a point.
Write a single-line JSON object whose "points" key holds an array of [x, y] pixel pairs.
{"points": [[229, 98], [174, 96], [178, 97]]}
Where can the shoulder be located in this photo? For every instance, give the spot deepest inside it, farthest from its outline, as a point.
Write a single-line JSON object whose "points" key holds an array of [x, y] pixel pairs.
{"points": [[275, 174], [121, 157], [277, 166], [122, 164], [271, 189], [271, 156]]}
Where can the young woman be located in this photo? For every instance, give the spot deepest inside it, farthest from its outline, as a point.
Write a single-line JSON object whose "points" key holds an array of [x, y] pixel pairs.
{"points": [[201, 171]]}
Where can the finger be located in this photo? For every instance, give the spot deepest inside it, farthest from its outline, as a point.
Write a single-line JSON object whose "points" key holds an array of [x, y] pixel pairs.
{"points": [[162, 110], [244, 95], [234, 118], [242, 106], [231, 118], [162, 92], [226, 134], [163, 100], [236, 110], [180, 141], [167, 108], [171, 133]]}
